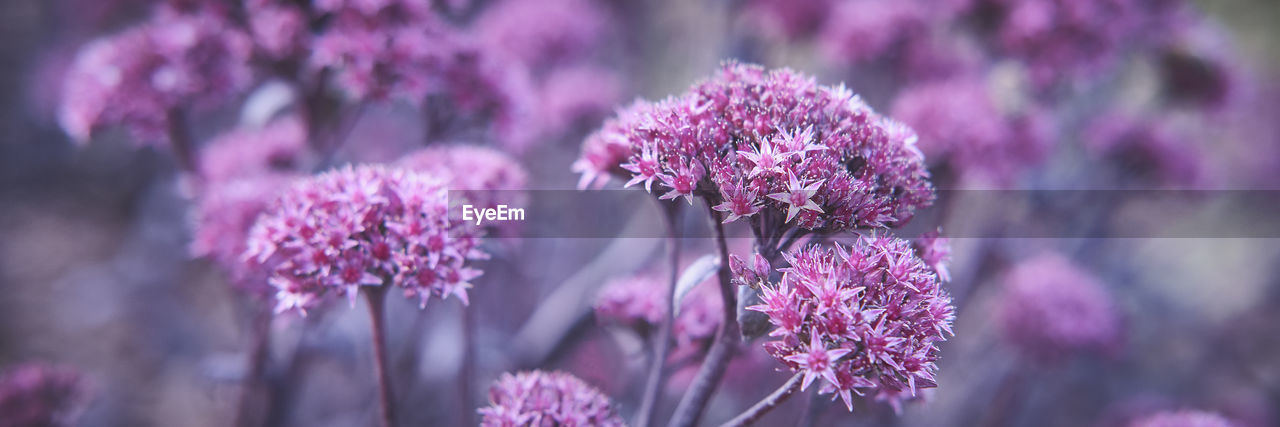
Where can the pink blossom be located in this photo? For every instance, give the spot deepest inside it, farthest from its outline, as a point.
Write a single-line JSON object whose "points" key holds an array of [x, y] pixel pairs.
{"points": [[36, 394], [1051, 308], [865, 317], [544, 32], [278, 146], [772, 140], [639, 303], [364, 226], [222, 217], [1184, 418], [139, 77], [539, 398]]}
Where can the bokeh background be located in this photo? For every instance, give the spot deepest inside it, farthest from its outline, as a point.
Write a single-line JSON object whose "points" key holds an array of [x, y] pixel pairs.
{"points": [[96, 272]]}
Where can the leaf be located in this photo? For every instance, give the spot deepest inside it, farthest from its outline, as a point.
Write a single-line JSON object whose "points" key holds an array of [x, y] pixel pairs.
{"points": [[697, 272]]}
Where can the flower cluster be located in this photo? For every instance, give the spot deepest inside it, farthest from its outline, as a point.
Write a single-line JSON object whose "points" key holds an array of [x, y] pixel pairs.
{"points": [[769, 143], [960, 124], [543, 32], [222, 217], [278, 146], [483, 176], [935, 250], [1051, 308], [140, 77], [1185, 418], [1068, 38], [638, 302], [866, 317], [538, 398], [381, 48], [1149, 149], [39, 395], [861, 30], [364, 226], [578, 94], [279, 27]]}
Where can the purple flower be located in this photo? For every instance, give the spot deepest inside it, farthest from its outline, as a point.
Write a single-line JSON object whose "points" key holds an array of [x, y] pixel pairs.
{"points": [[279, 28], [378, 48], [138, 77], [1148, 150], [866, 317], [787, 19], [483, 176], [539, 398], [540, 33], [1051, 308], [935, 250], [36, 394], [638, 302], [863, 30], [748, 135], [278, 146], [222, 217], [959, 123], [1184, 418], [579, 95], [364, 226]]}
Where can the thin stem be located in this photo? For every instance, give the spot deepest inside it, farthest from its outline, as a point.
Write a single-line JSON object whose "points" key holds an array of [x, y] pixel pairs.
{"points": [[180, 140], [768, 403], [252, 403], [654, 382], [376, 297], [695, 400], [468, 366]]}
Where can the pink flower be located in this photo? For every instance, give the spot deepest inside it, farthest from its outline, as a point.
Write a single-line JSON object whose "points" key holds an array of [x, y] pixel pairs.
{"points": [[484, 176], [541, 33], [35, 394], [639, 303], [539, 398], [278, 146], [869, 316], [935, 250], [823, 158], [222, 216], [138, 77], [798, 196], [1051, 309], [364, 226]]}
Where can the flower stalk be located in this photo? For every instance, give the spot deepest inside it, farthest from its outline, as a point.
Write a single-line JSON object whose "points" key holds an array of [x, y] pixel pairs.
{"points": [[376, 297], [767, 404], [653, 383]]}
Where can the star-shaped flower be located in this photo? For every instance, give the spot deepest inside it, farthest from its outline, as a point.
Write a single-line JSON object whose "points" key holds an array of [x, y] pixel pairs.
{"points": [[766, 158], [737, 203], [646, 168], [798, 196], [817, 362]]}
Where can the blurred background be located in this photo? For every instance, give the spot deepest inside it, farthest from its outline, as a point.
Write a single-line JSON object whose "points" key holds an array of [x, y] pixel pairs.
{"points": [[97, 222]]}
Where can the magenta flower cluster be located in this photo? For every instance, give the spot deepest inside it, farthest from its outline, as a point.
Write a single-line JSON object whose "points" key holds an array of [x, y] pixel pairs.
{"points": [[960, 124], [540, 33], [483, 175], [639, 302], [867, 317], [279, 146], [935, 251], [1051, 309], [770, 143], [35, 394], [538, 398], [141, 77], [364, 226], [1151, 149]]}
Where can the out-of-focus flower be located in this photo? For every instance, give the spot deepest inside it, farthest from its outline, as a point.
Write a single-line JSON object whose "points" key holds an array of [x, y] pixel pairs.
{"points": [[638, 302], [541, 33], [1051, 309], [222, 217], [1062, 39], [278, 146], [1185, 418], [485, 177], [279, 28], [959, 124], [866, 317], [377, 49], [1199, 67], [483, 96], [364, 226], [139, 77], [578, 94], [749, 134], [35, 394], [787, 19], [538, 398], [862, 30], [935, 250], [1148, 150]]}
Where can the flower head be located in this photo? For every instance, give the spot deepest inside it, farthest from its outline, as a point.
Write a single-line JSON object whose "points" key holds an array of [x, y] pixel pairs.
{"points": [[1147, 150], [36, 394], [935, 250], [539, 398], [139, 77], [1051, 308], [639, 302], [364, 226], [222, 217], [543, 32], [278, 146], [866, 317], [773, 143]]}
